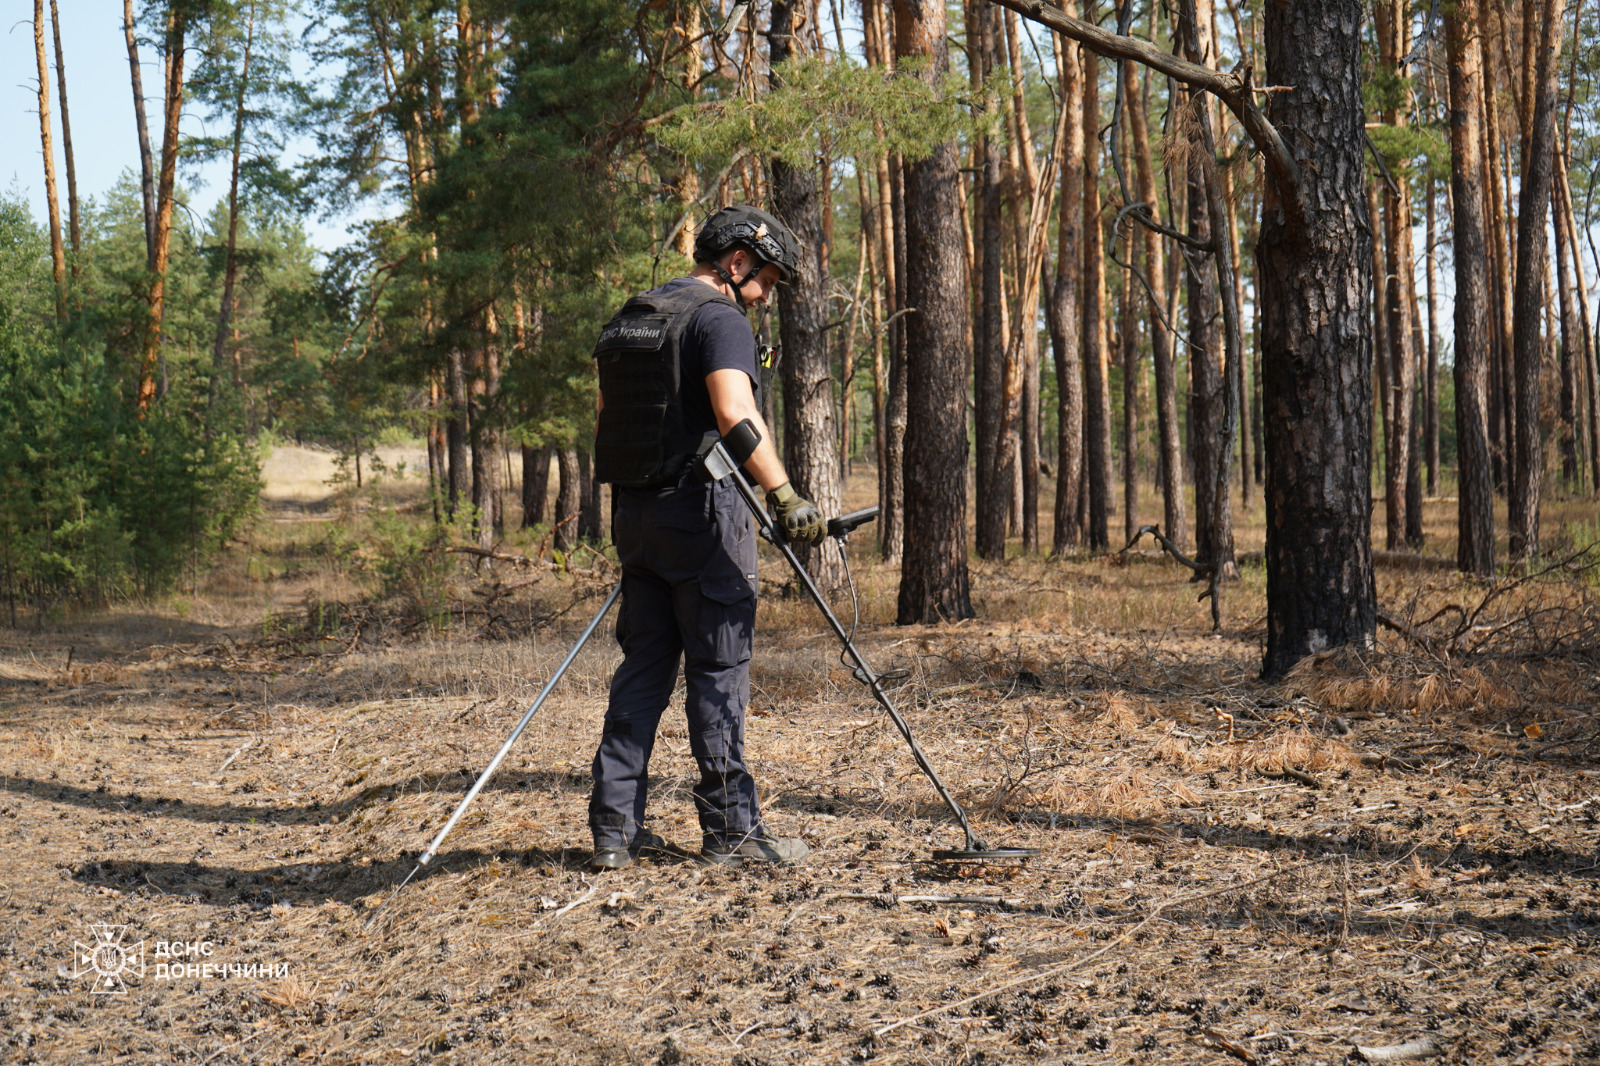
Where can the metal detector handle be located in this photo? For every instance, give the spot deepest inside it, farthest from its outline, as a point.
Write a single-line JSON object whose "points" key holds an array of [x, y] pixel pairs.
{"points": [[846, 524]]}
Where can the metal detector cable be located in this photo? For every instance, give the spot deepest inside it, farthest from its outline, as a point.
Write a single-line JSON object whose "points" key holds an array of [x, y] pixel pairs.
{"points": [[893, 674]]}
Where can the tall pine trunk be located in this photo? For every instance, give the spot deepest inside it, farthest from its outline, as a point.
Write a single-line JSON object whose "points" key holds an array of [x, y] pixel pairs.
{"points": [[147, 179], [1063, 310], [485, 435], [569, 499], [459, 484], [58, 258], [1175, 522], [1131, 372], [1534, 203], [1475, 491], [1096, 383], [172, 110], [1571, 349], [1502, 407], [1316, 351], [934, 584], [535, 483], [73, 230], [810, 430], [230, 270], [1398, 356], [1430, 388]]}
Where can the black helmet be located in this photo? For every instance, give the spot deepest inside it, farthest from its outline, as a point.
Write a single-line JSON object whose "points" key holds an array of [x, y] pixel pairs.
{"points": [[755, 231]]}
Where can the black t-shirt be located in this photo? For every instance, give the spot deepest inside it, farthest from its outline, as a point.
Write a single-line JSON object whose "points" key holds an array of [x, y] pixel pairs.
{"points": [[717, 338]]}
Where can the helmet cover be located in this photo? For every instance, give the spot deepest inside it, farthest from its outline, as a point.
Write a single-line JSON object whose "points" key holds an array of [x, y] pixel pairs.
{"points": [[752, 229]]}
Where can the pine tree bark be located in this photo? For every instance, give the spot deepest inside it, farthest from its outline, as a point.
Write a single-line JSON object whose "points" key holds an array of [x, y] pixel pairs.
{"points": [[569, 499], [172, 111], [1223, 417], [73, 230], [895, 448], [1475, 492], [934, 584], [1207, 365], [1570, 350], [147, 181], [1063, 310], [535, 484], [1502, 397], [1131, 375], [455, 430], [1591, 380], [1096, 379], [1400, 401], [58, 258], [1430, 391], [1238, 369], [1174, 507], [993, 486], [1534, 204], [484, 436], [1315, 298], [810, 429], [589, 491], [230, 270], [890, 416]]}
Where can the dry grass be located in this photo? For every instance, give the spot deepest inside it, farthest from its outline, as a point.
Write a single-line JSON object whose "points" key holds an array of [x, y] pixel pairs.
{"points": [[258, 773]]}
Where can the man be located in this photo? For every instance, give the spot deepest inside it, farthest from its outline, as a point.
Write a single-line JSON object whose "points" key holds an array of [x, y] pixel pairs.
{"points": [[677, 367]]}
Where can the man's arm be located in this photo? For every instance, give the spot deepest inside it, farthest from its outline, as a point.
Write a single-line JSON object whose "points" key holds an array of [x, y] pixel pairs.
{"points": [[733, 401]]}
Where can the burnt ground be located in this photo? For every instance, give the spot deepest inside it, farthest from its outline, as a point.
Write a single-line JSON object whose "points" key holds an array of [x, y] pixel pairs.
{"points": [[1375, 852]]}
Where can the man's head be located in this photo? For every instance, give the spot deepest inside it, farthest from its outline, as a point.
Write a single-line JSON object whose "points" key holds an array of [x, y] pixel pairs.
{"points": [[748, 250]]}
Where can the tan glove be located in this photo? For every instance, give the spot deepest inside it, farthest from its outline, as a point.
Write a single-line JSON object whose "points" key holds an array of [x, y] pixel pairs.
{"points": [[798, 517]]}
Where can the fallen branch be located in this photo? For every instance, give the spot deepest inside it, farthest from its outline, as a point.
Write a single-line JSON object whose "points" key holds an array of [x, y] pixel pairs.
{"points": [[240, 750], [890, 901], [1292, 774], [1209, 571], [1220, 1041]]}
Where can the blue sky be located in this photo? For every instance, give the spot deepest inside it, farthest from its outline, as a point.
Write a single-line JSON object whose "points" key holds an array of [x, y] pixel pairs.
{"points": [[99, 91]]}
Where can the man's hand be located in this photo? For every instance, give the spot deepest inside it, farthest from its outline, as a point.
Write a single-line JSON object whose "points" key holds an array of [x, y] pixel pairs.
{"points": [[797, 515]]}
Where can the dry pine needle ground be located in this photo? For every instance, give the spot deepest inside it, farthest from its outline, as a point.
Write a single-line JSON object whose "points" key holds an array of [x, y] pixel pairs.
{"points": [[1380, 850]]}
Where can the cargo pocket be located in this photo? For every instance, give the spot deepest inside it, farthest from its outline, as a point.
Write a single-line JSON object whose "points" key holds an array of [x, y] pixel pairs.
{"points": [[727, 618]]}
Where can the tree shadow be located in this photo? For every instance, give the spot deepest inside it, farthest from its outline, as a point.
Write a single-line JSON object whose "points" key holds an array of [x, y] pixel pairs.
{"points": [[450, 785]]}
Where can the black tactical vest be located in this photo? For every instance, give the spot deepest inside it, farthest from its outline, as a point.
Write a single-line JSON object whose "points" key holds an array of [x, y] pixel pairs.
{"points": [[640, 441]]}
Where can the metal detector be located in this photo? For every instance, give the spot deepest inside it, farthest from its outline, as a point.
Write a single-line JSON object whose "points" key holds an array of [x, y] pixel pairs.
{"points": [[718, 464]]}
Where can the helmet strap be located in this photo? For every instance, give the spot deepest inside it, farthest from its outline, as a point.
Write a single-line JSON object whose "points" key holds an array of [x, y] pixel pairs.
{"points": [[738, 284]]}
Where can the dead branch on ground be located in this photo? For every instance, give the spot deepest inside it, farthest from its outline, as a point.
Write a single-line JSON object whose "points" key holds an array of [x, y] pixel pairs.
{"points": [[1209, 571]]}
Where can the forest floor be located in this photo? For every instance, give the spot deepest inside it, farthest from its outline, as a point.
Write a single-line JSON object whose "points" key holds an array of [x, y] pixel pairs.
{"points": [[211, 799]]}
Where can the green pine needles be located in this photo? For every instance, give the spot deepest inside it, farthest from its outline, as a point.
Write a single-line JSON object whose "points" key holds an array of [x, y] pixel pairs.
{"points": [[857, 110]]}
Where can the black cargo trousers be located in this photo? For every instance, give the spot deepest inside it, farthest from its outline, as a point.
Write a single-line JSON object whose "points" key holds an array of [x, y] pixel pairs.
{"points": [[688, 557]]}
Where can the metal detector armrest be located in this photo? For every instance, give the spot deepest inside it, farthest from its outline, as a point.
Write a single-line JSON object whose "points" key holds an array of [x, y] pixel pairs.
{"points": [[721, 456], [846, 524]]}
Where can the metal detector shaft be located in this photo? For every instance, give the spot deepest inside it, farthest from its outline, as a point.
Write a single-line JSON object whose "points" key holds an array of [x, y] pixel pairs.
{"points": [[494, 764], [768, 530]]}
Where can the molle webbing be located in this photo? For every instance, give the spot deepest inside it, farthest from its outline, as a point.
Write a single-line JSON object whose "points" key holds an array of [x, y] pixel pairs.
{"points": [[640, 440]]}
